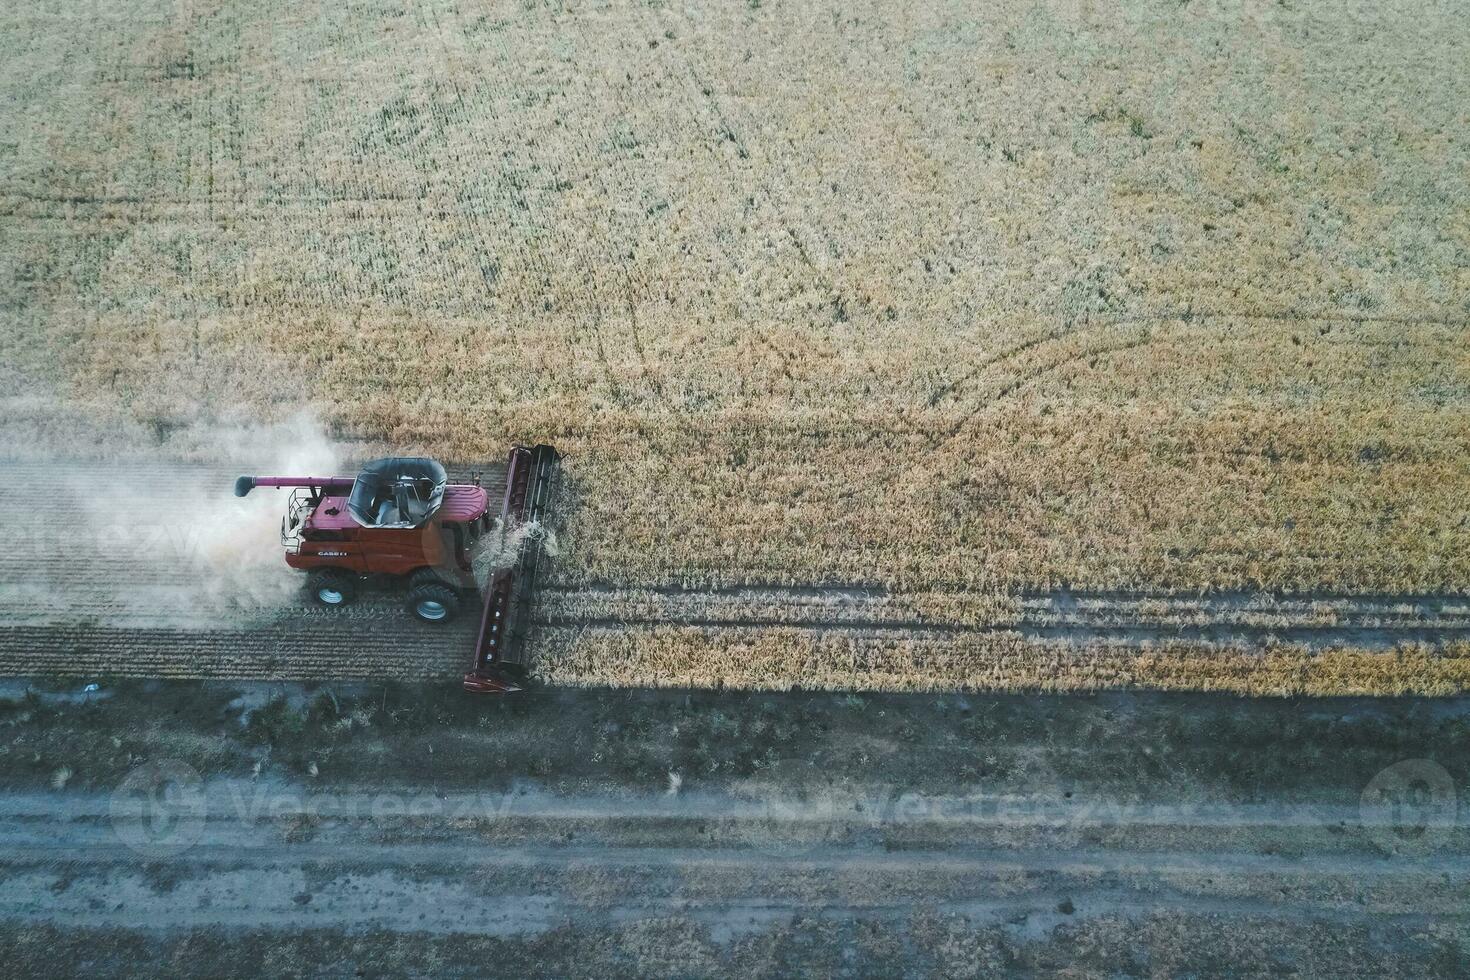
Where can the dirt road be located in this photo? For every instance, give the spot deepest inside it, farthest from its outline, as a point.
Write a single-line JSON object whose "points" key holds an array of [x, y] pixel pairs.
{"points": [[862, 880], [270, 829]]}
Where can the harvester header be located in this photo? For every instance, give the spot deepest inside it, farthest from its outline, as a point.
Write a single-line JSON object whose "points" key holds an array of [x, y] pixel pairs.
{"points": [[500, 658]]}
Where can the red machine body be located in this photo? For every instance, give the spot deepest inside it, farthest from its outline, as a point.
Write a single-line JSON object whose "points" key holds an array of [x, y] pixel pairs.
{"points": [[400, 516], [329, 537]]}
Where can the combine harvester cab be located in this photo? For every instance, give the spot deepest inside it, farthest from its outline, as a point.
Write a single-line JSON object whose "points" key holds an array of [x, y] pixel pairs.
{"points": [[500, 657], [401, 518]]}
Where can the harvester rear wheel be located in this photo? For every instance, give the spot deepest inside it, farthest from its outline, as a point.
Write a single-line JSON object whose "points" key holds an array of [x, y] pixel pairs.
{"points": [[332, 587], [433, 603]]}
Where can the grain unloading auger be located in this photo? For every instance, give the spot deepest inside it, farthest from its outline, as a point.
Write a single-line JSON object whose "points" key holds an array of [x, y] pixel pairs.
{"points": [[400, 518]]}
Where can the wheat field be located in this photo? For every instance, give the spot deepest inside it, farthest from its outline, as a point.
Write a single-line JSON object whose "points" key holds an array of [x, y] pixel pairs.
{"points": [[955, 300]]}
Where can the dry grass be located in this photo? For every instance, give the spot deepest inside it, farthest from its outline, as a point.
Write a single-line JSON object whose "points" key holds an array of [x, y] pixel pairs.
{"points": [[934, 296]]}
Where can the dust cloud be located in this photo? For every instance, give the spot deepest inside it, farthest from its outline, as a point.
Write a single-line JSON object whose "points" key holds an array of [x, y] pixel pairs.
{"points": [[156, 538]]}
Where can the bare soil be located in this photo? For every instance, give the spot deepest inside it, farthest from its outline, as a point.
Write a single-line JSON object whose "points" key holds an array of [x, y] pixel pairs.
{"points": [[606, 833]]}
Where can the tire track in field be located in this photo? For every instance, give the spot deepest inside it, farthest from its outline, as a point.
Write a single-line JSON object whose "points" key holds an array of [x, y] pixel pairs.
{"points": [[621, 259], [1083, 634], [1380, 622], [1145, 321]]}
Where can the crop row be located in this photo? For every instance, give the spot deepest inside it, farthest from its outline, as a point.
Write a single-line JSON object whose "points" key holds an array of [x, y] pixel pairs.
{"points": [[791, 657]]}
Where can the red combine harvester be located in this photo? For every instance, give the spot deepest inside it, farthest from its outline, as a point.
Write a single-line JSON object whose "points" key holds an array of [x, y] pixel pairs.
{"points": [[402, 518]]}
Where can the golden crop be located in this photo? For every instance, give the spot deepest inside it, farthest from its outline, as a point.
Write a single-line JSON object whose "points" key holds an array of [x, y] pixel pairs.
{"points": [[961, 301], [786, 658]]}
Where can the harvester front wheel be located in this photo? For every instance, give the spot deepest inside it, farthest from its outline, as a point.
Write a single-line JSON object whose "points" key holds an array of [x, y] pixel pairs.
{"points": [[426, 576], [433, 603], [332, 587]]}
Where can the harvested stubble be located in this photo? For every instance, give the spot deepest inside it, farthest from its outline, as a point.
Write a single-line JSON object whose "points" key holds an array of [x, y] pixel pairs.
{"points": [[933, 296]]}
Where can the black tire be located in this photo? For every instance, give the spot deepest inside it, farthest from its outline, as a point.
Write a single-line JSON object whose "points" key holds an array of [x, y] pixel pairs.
{"points": [[331, 587], [433, 603], [426, 576]]}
